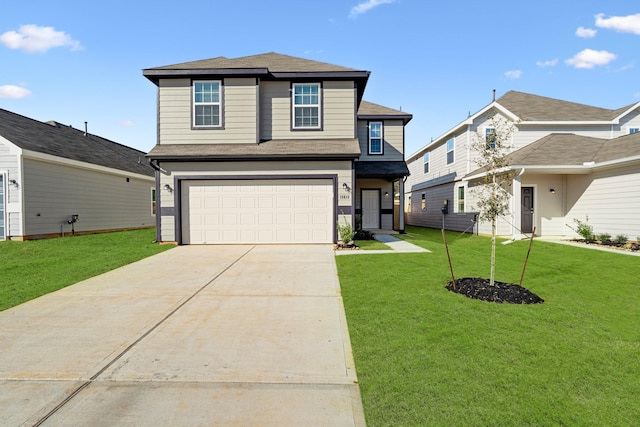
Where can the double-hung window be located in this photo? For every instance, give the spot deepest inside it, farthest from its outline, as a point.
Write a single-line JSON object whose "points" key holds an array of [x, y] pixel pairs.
{"points": [[425, 159], [490, 137], [450, 150], [306, 112], [375, 138], [634, 130], [207, 104]]}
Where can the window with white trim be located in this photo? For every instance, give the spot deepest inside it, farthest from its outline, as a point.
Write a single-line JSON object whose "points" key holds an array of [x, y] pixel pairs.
{"points": [[634, 130], [450, 150], [375, 138], [306, 112], [207, 104], [425, 160], [490, 137], [460, 199], [153, 201], [423, 202]]}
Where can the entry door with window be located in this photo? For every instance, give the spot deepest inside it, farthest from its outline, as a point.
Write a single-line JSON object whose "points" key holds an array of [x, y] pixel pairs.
{"points": [[526, 210], [370, 209]]}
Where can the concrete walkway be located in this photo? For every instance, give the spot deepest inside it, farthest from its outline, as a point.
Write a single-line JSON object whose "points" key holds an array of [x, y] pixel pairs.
{"points": [[198, 335], [396, 245]]}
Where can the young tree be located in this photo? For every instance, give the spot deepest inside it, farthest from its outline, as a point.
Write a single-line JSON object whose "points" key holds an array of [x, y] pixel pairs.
{"points": [[493, 145]]}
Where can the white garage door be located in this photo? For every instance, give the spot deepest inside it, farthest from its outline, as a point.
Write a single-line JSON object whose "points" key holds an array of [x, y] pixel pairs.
{"points": [[260, 211]]}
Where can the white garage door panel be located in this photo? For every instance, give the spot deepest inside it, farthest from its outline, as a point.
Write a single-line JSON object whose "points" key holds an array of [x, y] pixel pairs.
{"points": [[264, 211]]}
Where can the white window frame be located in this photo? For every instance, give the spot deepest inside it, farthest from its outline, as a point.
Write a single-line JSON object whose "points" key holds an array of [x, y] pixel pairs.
{"points": [[380, 138], [3, 204], [451, 150], [458, 200], [487, 130], [425, 162], [154, 201], [423, 201], [295, 106], [197, 104]]}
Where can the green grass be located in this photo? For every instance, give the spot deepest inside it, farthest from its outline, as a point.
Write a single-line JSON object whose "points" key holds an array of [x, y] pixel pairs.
{"points": [[370, 245], [427, 356], [33, 268]]}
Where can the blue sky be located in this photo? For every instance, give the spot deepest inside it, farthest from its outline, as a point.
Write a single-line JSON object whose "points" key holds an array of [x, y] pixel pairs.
{"points": [[76, 61]]}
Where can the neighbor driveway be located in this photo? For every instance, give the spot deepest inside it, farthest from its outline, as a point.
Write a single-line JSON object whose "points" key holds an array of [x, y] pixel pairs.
{"points": [[198, 335]]}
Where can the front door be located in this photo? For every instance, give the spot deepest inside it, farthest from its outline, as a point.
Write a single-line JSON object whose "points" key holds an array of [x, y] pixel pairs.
{"points": [[526, 210], [370, 209]]}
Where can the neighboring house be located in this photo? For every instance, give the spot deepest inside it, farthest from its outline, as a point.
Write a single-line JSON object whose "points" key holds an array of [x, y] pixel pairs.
{"points": [[570, 161], [271, 149], [56, 180]]}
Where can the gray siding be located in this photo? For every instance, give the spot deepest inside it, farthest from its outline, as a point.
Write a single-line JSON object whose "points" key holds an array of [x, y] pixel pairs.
{"points": [[103, 201], [432, 216]]}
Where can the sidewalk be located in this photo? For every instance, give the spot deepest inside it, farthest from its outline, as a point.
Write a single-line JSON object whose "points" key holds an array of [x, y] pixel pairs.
{"points": [[396, 245]]}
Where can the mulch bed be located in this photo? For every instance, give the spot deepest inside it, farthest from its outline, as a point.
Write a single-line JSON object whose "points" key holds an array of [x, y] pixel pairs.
{"points": [[479, 288]]}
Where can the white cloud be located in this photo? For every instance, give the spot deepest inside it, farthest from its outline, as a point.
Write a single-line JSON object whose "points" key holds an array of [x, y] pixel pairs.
{"points": [[550, 63], [623, 24], [13, 92], [586, 33], [624, 68], [367, 5], [589, 58], [513, 74], [32, 38], [126, 123]]}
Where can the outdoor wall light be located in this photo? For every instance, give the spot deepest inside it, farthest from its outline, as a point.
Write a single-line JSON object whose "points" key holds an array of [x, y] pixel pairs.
{"points": [[552, 190], [386, 194], [14, 182], [346, 187], [168, 188]]}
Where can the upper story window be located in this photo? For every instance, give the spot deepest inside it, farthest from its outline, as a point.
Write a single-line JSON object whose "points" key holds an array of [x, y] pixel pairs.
{"points": [[634, 130], [375, 138], [207, 105], [490, 137], [450, 151], [425, 159], [306, 106]]}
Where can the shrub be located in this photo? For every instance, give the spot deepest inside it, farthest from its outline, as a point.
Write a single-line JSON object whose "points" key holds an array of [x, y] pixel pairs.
{"points": [[345, 231], [604, 236], [622, 239], [364, 235], [584, 229]]}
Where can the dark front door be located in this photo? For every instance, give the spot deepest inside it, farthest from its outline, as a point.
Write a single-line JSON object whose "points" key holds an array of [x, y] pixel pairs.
{"points": [[526, 210]]}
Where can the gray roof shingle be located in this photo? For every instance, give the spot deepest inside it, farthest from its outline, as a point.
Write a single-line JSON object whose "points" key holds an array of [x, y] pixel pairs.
{"points": [[66, 142], [530, 107], [369, 110]]}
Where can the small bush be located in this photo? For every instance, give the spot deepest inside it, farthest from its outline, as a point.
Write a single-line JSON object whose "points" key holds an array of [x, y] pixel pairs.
{"points": [[584, 229], [622, 239], [364, 235], [345, 231], [604, 236]]}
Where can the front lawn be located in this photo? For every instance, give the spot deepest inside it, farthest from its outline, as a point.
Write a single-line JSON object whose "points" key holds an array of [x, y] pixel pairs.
{"points": [[33, 268], [427, 356]]}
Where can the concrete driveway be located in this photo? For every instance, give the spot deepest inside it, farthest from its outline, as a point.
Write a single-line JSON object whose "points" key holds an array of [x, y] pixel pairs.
{"points": [[198, 335]]}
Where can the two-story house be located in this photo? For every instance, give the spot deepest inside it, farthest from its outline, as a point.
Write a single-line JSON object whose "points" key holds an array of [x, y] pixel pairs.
{"points": [[271, 149], [569, 161]]}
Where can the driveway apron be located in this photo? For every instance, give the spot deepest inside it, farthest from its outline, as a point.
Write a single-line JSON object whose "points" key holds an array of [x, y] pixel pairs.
{"points": [[197, 335]]}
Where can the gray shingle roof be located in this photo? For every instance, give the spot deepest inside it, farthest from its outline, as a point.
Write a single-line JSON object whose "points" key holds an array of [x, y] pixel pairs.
{"points": [[530, 107], [369, 110], [64, 141], [567, 149], [272, 149], [381, 169]]}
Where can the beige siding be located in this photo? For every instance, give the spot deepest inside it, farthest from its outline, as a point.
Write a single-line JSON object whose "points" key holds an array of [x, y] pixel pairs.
{"points": [[611, 200], [103, 201], [13, 203], [338, 110], [270, 168], [393, 132], [240, 113]]}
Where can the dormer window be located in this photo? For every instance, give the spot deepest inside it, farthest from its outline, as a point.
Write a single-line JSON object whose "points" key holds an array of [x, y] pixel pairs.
{"points": [[207, 105], [306, 113], [375, 138]]}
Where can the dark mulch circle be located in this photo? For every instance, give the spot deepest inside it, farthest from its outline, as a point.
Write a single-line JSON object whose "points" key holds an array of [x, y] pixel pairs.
{"points": [[479, 288]]}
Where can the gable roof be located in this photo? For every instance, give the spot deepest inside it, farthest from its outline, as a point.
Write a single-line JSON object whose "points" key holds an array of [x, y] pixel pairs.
{"points": [[66, 142], [568, 151], [369, 111], [536, 108]]}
